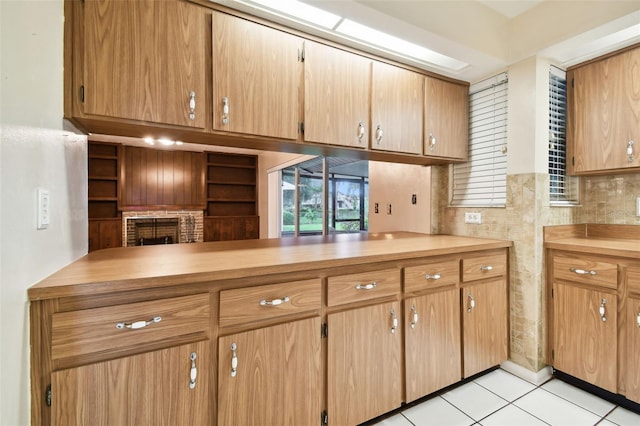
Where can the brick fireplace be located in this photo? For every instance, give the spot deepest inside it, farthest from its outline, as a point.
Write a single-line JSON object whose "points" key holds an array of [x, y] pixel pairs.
{"points": [[161, 227]]}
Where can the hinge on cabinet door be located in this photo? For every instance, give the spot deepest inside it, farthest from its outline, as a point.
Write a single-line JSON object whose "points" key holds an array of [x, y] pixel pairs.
{"points": [[324, 418], [324, 330], [572, 80], [553, 355], [301, 53], [81, 94], [573, 161], [47, 396], [301, 127], [552, 292]]}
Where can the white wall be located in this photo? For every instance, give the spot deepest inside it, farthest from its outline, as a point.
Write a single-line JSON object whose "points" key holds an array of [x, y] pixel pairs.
{"points": [[395, 184], [34, 152]]}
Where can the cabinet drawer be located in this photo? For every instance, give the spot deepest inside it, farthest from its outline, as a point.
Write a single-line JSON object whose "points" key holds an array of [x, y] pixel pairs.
{"points": [[268, 301], [113, 329], [478, 268], [431, 275], [364, 286], [586, 271]]}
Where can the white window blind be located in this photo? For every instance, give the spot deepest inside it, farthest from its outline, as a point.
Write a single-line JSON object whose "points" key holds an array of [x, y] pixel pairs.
{"points": [[563, 189], [482, 181]]}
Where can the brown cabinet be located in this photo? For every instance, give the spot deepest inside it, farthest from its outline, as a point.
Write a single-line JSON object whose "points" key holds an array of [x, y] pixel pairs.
{"points": [[143, 60], [162, 179], [603, 131], [364, 349], [630, 357], [256, 78], [485, 334], [163, 387], [231, 210], [397, 97], [446, 119], [105, 224], [432, 328], [104, 233], [336, 101]]}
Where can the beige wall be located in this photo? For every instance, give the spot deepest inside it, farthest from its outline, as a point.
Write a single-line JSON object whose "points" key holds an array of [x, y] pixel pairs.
{"points": [[34, 152]]}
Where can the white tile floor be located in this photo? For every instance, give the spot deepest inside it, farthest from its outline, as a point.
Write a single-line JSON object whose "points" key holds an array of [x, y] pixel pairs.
{"points": [[500, 398]]}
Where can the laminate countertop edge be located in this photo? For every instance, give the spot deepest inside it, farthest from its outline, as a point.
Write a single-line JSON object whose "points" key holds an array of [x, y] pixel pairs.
{"points": [[629, 248], [136, 268]]}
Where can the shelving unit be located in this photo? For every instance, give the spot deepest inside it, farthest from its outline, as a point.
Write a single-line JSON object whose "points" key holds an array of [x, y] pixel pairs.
{"points": [[232, 197], [105, 222]]}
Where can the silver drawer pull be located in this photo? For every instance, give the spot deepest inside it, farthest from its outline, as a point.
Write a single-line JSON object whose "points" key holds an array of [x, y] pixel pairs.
{"points": [[602, 310], [369, 286], [414, 316], [472, 303], [137, 324], [486, 268], [436, 276], [274, 302], [638, 319], [582, 271], [234, 360], [193, 373]]}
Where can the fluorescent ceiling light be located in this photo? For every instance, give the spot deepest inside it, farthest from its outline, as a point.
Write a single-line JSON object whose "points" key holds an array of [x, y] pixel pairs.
{"points": [[302, 11], [375, 38]]}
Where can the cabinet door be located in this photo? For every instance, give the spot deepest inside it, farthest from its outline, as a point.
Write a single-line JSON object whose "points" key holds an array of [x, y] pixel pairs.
{"points": [[110, 233], [396, 109], [585, 342], [484, 325], [633, 349], [604, 101], [256, 78], [145, 60], [336, 96], [446, 119], [148, 389], [277, 377], [432, 342], [364, 363]]}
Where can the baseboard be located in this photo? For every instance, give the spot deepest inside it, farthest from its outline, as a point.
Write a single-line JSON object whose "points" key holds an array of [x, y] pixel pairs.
{"points": [[537, 378]]}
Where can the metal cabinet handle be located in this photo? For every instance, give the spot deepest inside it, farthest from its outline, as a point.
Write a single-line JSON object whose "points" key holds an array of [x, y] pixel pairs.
{"points": [[369, 286], [435, 276], [630, 151], [432, 142], [638, 319], [137, 324], [379, 134], [225, 110], [472, 303], [194, 372], [192, 105], [274, 302], [414, 316], [486, 268], [582, 271], [360, 131], [234, 360], [602, 310], [394, 321]]}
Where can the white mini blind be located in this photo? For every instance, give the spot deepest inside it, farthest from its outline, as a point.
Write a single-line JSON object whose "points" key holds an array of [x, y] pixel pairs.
{"points": [[562, 188], [482, 180]]}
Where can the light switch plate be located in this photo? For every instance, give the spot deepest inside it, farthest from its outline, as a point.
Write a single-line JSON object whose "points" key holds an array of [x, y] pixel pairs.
{"points": [[44, 210]]}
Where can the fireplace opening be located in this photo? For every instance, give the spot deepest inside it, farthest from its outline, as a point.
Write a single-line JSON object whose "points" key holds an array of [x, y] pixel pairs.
{"points": [[154, 231]]}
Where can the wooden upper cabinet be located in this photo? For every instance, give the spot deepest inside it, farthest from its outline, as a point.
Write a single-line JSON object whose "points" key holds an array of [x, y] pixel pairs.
{"points": [[336, 96], [396, 109], [604, 114], [446, 119], [256, 78], [145, 60], [153, 178]]}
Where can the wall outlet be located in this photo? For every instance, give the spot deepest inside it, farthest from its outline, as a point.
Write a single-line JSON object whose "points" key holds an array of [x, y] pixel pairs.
{"points": [[44, 211], [638, 206], [475, 218]]}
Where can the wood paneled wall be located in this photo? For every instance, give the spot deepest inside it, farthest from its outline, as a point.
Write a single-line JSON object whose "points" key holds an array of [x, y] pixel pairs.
{"points": [[158, 179]]}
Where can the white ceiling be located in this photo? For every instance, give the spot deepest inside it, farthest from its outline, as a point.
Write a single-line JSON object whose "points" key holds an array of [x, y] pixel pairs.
{"points": [[510, 9]]}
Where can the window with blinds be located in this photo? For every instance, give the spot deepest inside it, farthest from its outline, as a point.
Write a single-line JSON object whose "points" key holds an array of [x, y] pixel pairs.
{"points": [[482, 180], [563, 189]]}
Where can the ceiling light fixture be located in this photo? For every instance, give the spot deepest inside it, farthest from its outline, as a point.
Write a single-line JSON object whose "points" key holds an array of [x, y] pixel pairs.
{"points": [[296, 9]]}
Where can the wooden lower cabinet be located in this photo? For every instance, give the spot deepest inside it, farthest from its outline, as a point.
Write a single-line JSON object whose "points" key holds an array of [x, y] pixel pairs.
{"points": [[105, 233], [585, 340], [633, 349], [364, 363], [432, 342], [153, 388], [231, 228], [485, 335], [272, 376]]}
